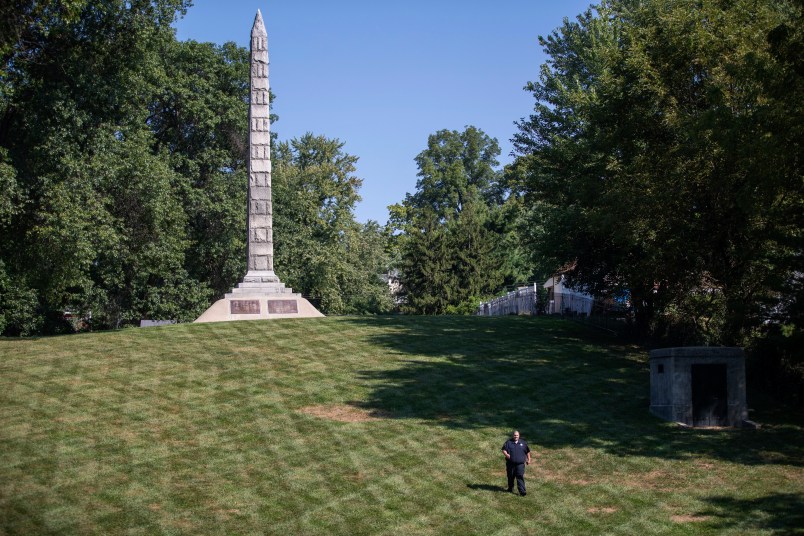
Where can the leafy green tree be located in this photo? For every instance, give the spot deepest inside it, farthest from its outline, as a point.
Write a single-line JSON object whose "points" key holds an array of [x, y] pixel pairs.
{"points": [[659, 160], [366, 260], [122, 175], [452, 229], [18, 306], [456, 168], [320, 249], [98, 224], [24, 24], [199, 118]]}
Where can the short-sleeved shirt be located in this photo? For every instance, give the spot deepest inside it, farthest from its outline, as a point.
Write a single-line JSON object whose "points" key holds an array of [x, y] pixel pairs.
{"points": [[518, 450]]}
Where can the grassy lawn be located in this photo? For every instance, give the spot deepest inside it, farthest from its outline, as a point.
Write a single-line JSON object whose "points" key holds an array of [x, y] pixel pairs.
{"points": [[370, 425]]}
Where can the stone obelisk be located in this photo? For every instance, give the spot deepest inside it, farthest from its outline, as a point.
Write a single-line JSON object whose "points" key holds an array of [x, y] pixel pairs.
{"points": [[260, 211], [261, 294]]}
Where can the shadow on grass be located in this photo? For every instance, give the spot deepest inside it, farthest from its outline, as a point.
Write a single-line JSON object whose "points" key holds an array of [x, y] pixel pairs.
{"points": [[777, 513], [562, 384], [487, 487]]}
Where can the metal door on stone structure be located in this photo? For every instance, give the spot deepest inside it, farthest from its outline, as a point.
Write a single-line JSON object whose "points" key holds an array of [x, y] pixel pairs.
{"points": [[709, 395]]}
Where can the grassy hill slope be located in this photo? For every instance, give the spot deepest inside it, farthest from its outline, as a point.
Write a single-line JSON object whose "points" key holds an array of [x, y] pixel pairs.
{"points": [[370, 425]]}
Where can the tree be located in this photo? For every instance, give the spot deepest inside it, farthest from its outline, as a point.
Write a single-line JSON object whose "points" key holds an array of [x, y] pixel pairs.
{"points": [[451, 246], [97, 224], [427, 275], [321, 250], [199, 118], [660, 160], [122, 173], [456, 169]]}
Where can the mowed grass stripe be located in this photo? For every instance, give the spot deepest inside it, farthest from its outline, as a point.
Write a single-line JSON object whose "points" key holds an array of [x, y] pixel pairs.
{"points": [[369, 426]]}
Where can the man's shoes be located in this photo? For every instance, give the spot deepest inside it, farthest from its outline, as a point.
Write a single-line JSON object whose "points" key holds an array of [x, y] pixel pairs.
{"points": [[523, 494], [510, 490]]}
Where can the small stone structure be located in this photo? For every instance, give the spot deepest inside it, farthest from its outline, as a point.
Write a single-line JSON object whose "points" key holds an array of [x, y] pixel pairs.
{"points": [[261, 294], [698, 385], [151, 323]]}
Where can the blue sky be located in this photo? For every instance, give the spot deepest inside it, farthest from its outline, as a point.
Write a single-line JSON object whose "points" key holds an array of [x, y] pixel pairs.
{"points": [[382, 76]]}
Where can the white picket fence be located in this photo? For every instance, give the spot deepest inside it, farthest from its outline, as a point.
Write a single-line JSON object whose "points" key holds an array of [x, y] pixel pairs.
{"points": [[569, 303], [522, 301]]}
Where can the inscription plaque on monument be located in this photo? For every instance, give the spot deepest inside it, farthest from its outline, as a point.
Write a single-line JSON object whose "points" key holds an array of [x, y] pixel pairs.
{"points": [[282, 307], [244, 307]]}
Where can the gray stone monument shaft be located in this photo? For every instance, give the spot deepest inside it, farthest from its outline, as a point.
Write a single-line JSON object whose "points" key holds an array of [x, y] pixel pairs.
{"points": [[261, 295], [260, 248]]}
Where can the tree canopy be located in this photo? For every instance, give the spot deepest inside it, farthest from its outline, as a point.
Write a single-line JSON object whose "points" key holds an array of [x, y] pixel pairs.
{"points": [[663, 157], [123, 156], [320, 247], [453, 229]]}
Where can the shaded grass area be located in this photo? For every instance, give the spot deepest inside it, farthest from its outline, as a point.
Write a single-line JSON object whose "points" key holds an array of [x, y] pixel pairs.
{"points": [[370, 426]]}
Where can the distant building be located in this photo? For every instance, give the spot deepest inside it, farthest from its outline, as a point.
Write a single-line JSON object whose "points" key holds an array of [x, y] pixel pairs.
{"points": [[564, 300], [394, 285]]}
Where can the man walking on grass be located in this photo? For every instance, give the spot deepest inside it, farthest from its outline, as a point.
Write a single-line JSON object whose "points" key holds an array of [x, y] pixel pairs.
{"points": [[517, 455]]}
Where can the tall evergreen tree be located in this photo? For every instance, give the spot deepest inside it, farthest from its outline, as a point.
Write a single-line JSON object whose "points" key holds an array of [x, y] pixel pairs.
{"points": [[450, 257], [320, 249], [428, 278]]}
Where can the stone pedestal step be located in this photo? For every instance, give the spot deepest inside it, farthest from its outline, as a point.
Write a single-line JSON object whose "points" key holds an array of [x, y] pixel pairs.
{"points": [[262, 288], [246, 285], [267, 291]]}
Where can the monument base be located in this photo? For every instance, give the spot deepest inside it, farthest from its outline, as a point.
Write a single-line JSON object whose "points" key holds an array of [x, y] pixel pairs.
{"points": [[261, 276], [259, 306], [260, 296]]}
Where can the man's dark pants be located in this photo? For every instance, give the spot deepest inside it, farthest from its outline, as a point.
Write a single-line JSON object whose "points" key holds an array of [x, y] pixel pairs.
{"points": [[515, 470]]}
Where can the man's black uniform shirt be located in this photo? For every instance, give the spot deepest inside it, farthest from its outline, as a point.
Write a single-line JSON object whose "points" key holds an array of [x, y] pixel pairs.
{"points": [[518, 450]]}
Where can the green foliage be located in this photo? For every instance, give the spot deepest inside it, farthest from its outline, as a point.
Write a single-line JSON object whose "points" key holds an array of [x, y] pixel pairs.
{"points": [[122, 175], [467, 307], [458, 236], [320, 249], [18, 306], [10, 198], [367, 259], [456, 169], [426, 267], [97, 226], [200, 122], [25, 23], [662, 158]]}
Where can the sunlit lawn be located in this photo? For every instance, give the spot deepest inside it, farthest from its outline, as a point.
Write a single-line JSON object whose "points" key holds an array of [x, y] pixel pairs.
{"points": [[370, 425]]}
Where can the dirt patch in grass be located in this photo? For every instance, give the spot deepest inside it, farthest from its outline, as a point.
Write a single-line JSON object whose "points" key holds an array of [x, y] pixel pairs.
{"points": [[222, 512], [655, 480], [183, 524], [689, 519], [345, 413], [601, 510], [356, 477], [557, 476]]}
